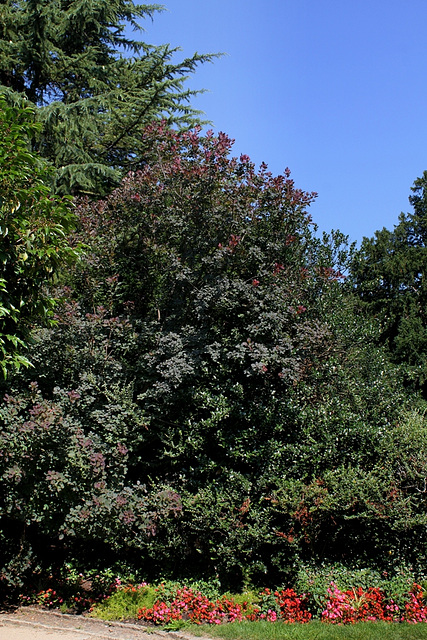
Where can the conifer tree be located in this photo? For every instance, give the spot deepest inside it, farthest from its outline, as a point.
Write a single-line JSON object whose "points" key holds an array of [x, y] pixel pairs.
{"points": [[95, 87], [388, 274]]}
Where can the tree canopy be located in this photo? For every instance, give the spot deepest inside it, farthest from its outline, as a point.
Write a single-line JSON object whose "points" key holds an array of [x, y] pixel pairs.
{"points": [[94, 86], [388, 274]]}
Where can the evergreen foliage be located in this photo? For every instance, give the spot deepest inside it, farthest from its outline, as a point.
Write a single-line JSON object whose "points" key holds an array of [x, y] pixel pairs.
{"points": [[95, 88], [388, 275]]}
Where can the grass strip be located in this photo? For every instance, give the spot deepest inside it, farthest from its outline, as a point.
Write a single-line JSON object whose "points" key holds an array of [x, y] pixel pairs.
{"points": [[262, 630]]}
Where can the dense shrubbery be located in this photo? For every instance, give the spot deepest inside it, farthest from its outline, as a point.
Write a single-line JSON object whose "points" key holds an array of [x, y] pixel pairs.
{"points": [[210, 402]]}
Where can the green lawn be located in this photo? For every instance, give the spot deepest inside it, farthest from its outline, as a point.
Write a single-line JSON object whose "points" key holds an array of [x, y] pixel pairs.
{"points": [[313, 631]]}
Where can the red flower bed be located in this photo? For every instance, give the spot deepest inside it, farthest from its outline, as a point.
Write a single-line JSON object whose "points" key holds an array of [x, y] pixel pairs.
{"points": [[195, 607], [416, 608], [354, 605], [293, 608], [285, 605]]}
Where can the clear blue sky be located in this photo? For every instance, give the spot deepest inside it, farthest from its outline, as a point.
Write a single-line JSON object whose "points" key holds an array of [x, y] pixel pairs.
{"points": [[335, 90]]}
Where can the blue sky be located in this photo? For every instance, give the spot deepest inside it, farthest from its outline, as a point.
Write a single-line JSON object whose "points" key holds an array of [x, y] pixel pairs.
{"points": [[334, 90]]}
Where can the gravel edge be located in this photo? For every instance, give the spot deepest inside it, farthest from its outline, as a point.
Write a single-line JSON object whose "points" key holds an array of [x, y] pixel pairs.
{"points": [[62, 622]]}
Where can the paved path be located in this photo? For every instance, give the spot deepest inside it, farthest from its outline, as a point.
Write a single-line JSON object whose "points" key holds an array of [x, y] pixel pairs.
{"points": [[33, 624]]}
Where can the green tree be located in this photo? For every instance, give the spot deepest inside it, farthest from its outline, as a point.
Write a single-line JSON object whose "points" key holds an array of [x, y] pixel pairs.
{"points": [[222, 273], [246, 334], [388, 275], [33, 235], [94, 86]]}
